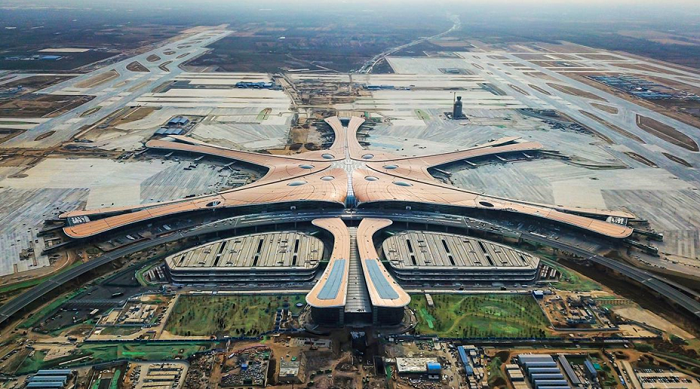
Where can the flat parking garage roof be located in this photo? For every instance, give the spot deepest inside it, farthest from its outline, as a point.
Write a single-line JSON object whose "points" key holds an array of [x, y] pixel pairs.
{"points": [[268, 250], [424, 249]]}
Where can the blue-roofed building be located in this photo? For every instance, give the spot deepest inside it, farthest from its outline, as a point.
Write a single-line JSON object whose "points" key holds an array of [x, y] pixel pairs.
{"points": [[49, 378], [434, 368], [548, 376], [165, 131], [55, 372], [542, 370], [254, 85], [569, 371], [541, 384], [464, 357], [178, 121], [590, 370], [45, 385], [533, 364]]}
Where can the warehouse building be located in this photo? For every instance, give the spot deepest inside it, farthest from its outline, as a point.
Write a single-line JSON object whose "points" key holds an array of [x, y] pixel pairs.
{"points": [[543, 372], [50, 379], [427, 367]]}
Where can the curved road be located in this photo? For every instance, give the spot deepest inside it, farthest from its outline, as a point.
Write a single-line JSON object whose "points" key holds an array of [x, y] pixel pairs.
{"points": [[656, 283]]}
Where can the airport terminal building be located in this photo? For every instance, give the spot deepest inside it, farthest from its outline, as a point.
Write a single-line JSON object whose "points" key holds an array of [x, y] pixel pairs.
{"points": [[265, 258], [438, 258]]}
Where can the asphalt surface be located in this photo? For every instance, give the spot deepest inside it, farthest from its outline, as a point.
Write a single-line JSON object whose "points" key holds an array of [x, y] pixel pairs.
{"points": [[655, 283], [117, 93]]}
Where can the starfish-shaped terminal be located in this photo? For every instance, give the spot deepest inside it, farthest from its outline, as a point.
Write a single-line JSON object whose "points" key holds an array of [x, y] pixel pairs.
{"points": [[346, 175]]}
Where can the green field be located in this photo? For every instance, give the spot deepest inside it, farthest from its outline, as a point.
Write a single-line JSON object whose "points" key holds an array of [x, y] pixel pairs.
{"points": [[227, 315], [105, 353], [571, 280], [264, 114], [422, 115], [488, 315]]}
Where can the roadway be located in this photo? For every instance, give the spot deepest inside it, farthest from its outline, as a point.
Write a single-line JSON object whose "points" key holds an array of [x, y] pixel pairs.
{"points": [[656, 283], [369, 65]]}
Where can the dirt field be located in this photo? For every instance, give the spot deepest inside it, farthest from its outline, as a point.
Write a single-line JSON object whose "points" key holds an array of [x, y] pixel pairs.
{"points": [[34, 83], [677, 159], [44, 135], [98, 79], [33, 106], [606, 108], [647, 68], [665, 132], [164, 66], [542, 76], [653, 320], [537, 88], [560, 64], [546, 57], [518, 89], [640, 158], [90, 111], [600, 57], [7, 134], [575, 92], [124, 116], [136, 66], [613, 127]]}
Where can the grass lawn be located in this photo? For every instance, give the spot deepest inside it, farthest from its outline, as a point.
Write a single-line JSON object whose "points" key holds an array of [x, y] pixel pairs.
{"points": [[488, 315], [109, 352], [572, 281], [227, 315], [114, 383], [422, 115]]}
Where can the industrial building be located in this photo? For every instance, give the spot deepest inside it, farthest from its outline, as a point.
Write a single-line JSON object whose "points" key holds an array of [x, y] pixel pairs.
{"points": [[439, 258], [50, 379], [428, 367], [167, 131], [267, 257], [178, 121], [542, 371]]}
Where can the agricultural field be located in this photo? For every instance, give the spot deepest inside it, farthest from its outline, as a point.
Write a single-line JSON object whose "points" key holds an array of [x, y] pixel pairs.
{"points": [[480, 316], [227, 315]]}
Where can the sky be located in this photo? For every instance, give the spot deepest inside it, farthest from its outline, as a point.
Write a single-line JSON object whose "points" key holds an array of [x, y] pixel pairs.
{"points": [[588, 11]]}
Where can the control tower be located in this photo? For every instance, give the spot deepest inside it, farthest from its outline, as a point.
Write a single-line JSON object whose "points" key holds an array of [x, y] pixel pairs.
{"points": [[457, 109]]}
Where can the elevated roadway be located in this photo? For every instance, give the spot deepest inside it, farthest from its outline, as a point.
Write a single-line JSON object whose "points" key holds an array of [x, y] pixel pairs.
{"points": [[384, 291], [655, 283], [331, 290]]}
